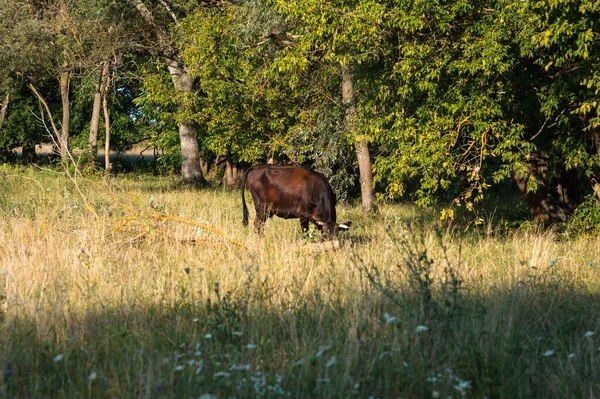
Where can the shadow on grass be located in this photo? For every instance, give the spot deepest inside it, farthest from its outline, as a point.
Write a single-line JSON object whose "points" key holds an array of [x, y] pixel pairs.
{"points": [[535, 339]]}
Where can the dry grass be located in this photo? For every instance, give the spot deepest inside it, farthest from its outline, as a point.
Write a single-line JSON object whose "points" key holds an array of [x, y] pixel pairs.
{"points": [[137, 303]]}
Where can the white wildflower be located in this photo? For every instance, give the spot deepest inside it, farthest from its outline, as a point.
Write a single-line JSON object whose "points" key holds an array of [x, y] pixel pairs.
{"points": [[548, 353], [240, 367], [93, 376], [251, 346], [421, 329], [221, 374], [571, 355], [589, 334], [331, 362], [435, 394], [322, 349], [389, 319], [461, 385], [237, 333], [178, 368], [208, 336], [59, 358]]}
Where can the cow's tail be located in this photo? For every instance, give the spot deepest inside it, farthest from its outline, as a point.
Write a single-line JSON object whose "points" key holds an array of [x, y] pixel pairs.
{"points": [[244, 206]]}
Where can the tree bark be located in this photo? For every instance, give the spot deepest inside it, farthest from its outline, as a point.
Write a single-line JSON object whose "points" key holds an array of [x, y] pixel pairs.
{"points": [[95, 122], [596, 174], [66, 115], [365, 169], [204, 167], [107, 165], [543, 205], [231, 176], [4, 108], [190, 155], [183, 83]]}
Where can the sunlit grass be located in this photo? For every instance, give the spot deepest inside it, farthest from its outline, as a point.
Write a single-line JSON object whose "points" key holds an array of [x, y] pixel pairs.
{"points": [[111, 307]]}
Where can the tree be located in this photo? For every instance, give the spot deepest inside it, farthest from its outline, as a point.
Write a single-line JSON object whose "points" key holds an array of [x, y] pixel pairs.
{"points": [[348, 35], [244, 108], [183, 84], [29, 54], [563, 40], [100, 87], [4, 108]]}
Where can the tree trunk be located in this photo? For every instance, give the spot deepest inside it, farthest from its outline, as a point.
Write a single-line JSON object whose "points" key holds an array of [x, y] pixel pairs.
{"points": [[228, 176], [95, 122], [367, 188], [212, 168], [204, 167], [596, 174], [231, 176], [66, 115], [235, 175], [190, 156], [566, 190], [107, 165], [183, 83], [4, 109], [544, 206]]}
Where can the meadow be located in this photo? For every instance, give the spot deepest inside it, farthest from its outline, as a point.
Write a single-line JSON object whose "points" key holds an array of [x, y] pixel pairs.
{"points": [[136, 287]]}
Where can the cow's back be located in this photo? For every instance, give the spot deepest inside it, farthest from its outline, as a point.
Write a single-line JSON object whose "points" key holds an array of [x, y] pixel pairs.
{"points": [[291, 191]]}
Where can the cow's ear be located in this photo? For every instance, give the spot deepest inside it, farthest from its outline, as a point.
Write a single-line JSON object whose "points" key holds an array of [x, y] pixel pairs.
{"points": [[345, 226]]}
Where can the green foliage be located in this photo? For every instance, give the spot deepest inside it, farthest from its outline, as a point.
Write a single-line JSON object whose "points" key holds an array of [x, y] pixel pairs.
{"points": [[452, 108], [22, 126], [586, 219], [244, 112]]}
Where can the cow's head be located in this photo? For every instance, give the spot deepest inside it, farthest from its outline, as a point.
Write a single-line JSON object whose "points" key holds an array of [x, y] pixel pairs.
{"points": [[333, 229]]}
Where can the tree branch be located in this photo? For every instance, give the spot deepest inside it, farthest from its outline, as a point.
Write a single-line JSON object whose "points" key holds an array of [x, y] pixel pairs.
{"points": [[166, 6]]}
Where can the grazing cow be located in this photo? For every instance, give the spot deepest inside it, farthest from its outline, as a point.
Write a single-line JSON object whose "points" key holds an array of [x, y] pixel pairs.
{"points": [[291, 192]]}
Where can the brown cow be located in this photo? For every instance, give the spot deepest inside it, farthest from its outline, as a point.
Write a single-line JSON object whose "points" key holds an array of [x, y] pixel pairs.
{"points": [[291, 192]]}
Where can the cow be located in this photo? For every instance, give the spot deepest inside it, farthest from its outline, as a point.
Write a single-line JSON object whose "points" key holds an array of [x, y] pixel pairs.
{"points": [[291, 192]]}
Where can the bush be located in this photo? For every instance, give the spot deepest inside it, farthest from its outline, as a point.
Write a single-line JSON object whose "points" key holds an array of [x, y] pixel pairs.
{"points": [[586, 218]]}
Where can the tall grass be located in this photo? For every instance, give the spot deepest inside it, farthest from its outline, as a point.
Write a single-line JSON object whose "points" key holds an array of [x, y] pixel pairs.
{"points": [[131, 305]]}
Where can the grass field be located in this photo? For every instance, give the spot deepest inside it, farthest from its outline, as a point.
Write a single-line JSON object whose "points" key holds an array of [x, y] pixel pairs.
{"points": [[132, 296]]}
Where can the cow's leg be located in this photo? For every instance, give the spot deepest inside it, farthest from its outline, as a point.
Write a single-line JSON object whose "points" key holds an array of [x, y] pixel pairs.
{"points": [[259, 222], [304, 222], [326, 229], [262, 214]]}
